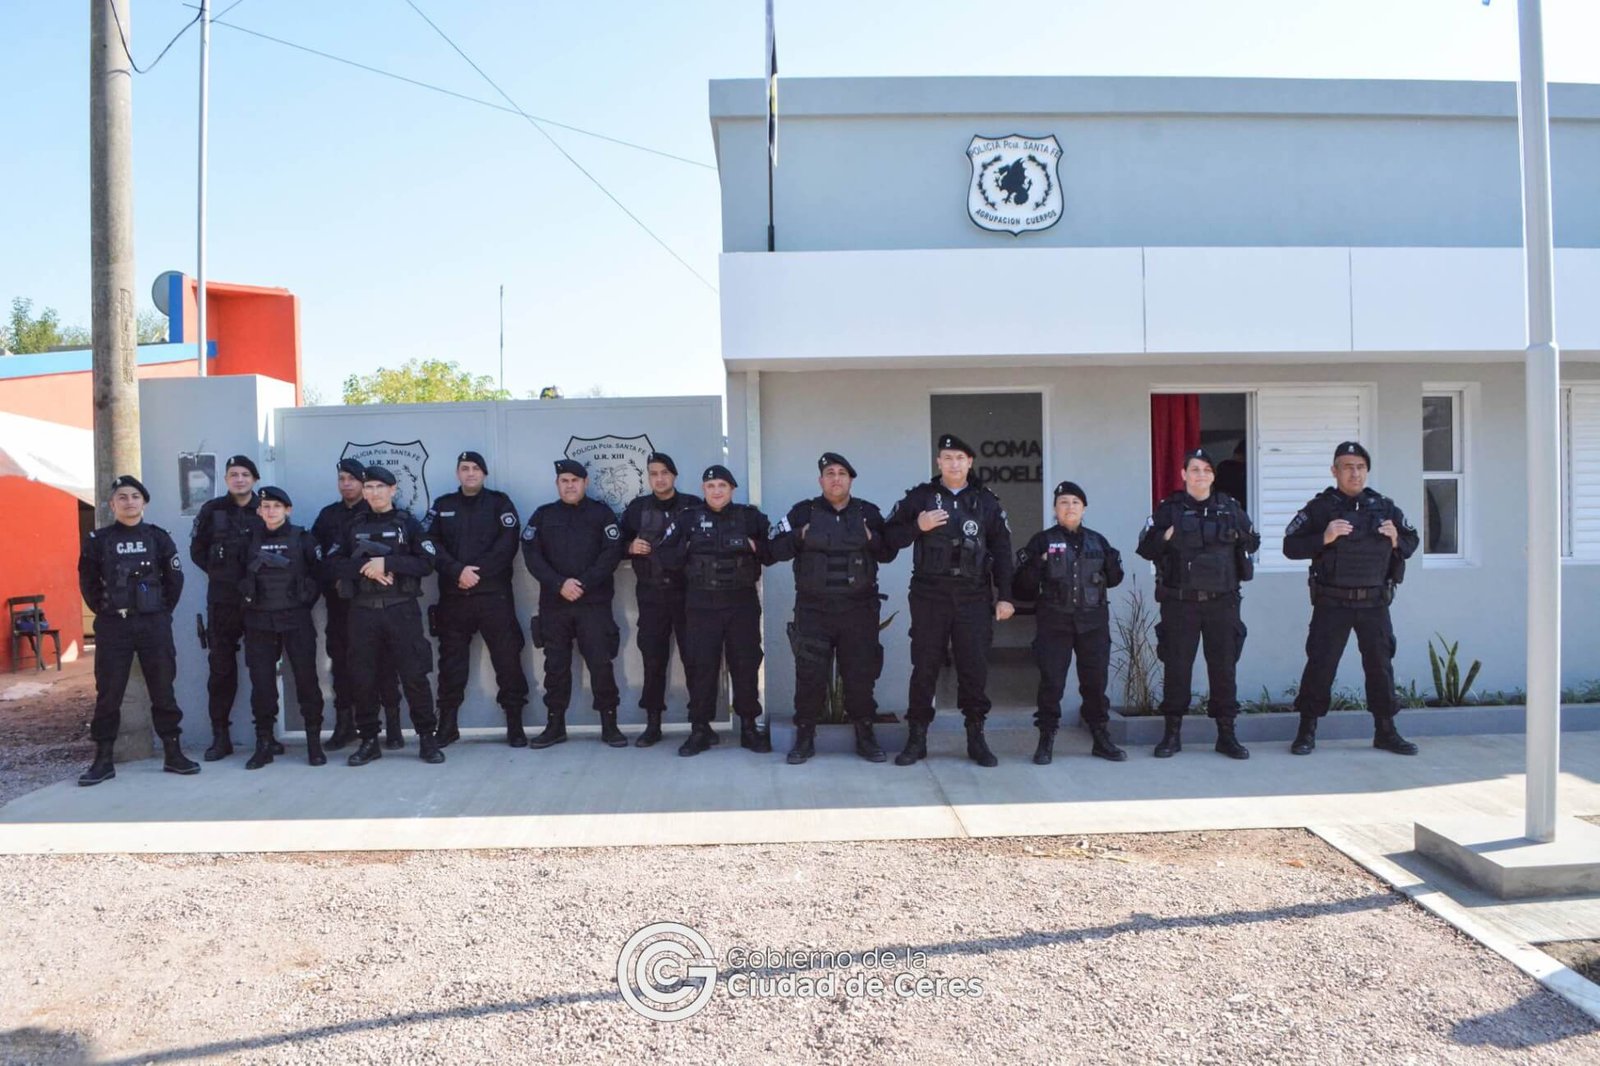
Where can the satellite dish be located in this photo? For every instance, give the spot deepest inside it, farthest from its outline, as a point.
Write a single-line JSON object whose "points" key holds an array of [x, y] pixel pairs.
{"points": [[159, 290]]}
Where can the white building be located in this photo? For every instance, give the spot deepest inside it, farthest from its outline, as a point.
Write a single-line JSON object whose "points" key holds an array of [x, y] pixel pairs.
{"points": [[1293, 263]]}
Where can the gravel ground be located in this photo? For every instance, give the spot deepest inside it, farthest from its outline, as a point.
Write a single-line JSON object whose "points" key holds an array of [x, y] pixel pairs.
{"points": [[45, 737], [1182, 948]]}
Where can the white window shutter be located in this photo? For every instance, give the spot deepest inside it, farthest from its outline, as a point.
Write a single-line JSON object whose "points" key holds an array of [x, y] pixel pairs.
{"points": [[1583, 470], [1297, 428]]}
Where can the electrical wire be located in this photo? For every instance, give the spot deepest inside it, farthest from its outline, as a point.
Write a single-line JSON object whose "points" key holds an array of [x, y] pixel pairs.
{"points": [[123, 34], [557, 145]]}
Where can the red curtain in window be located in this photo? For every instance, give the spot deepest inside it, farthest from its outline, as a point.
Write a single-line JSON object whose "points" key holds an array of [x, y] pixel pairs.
{"points": [[1174, 429]]}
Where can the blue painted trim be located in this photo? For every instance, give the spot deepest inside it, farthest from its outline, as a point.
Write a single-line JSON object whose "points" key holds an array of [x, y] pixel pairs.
{"points": [[82, 359], [175, 289]]}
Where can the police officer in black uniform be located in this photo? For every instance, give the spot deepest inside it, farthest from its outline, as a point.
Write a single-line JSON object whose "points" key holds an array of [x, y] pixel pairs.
{"points": [[1201, 543], [720, 546], [380, 565], [962, 554], [572, 545], [217, 543], [333, 521], [281, 571], [659, 590], [131, 577], [474, 534], [836, 542], [1358, 542], [1069, 569]]}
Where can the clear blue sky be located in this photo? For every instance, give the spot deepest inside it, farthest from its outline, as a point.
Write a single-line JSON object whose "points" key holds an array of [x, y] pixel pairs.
{"points": [[395, 212]]}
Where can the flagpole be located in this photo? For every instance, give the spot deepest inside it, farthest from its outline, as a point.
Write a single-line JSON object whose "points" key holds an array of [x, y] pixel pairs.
{"points": [[771, 87]]}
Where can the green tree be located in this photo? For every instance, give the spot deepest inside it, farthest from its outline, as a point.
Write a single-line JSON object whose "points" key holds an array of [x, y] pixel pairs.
{"points": [[24, 332], [421, 381]]}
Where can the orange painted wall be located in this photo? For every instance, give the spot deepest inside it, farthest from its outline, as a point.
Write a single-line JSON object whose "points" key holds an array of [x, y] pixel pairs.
{"points": [[39, 556], [69, 398], [256, 329]]}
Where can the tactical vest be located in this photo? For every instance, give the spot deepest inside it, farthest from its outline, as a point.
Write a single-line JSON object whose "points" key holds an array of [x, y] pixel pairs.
{"points": [[1074, 580], [1360, 559], [653, 522], [833, 559], [372, 526], [278, 588], [1205, 556], [957, 548], [720, 559], [228, 543], [132, 579]]}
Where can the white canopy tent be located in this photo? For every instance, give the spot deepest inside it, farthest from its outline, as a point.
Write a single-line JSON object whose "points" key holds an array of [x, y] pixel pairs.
{"points": [[49, 452]]}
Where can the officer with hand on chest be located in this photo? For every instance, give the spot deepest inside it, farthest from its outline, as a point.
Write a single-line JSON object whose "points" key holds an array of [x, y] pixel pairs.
{"points": [[379, 566], [1358, 542], [1069, 569], [720, 546], [836, 541], [217, 543], [282, 565], [961, 555], [572, 546], [131, 577], [474, 535], [659, 590], [1201, 543]]}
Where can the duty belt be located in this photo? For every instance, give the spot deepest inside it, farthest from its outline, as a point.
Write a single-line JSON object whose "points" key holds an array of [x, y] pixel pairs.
{"points": [[1353, 595], [1197, 595]]}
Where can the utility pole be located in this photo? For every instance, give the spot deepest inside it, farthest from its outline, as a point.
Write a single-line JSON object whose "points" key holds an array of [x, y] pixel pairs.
{"points": [[116, 357], [200, 205]]}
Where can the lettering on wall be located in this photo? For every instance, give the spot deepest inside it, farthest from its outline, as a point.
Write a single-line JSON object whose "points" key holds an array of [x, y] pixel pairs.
{"points": [[408, 461], [992, 468], [1016, 183]]}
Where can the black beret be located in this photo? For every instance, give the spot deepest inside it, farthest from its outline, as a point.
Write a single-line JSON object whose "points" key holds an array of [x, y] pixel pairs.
{"points": [[1351, 447], [571, 466], [378, 473], [1198, 453], [664, 459], [353, 467], [1071, 488], [718, 472], [951, 442], [836, 459], [244, 461], [273, 492], [472, 457], [131, 482]]}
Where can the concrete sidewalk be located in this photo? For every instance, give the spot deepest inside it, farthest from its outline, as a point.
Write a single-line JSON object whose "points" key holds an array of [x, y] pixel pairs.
{"points": [[583, 794]]}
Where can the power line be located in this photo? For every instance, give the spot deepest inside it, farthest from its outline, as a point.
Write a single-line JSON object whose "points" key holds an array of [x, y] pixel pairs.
{"points": [[451, 92], [557, 145], [123, 36]]}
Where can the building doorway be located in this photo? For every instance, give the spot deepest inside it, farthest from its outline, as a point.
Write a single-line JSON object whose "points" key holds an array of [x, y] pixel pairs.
{"points": [[1219, 422]]}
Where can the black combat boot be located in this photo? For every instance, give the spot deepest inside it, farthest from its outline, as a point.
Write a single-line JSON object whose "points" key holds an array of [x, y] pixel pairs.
{"points": [[263, 753], [805, 744], [102, 768], [701, 737], [1305, 738], [1103, 747], [314, 754], [449, 730], [393, 738], [344, 728], [867, 743], [609, 733], [1228, 743], [516, 736], [274, 744], [916, 744], [652, 730], [978, 748], [754, 737], [1385, 736], [221, 744], [1046, 751], [369, 750], [555, 730], [429, 749], [1171, 740], [174, 761]]}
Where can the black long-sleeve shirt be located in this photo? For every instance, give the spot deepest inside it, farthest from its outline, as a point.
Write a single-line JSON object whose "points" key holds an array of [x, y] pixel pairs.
{"points": [[566, 540], [478, 530], [107, 548], [975, 512], [217, 544]]}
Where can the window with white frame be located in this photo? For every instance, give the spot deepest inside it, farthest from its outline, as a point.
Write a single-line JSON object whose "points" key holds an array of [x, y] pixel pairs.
{"points": [[1580, 439], [1444, 486]]}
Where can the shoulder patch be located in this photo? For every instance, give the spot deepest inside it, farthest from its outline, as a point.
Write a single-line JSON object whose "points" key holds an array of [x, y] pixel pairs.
{"points": [[528, 533], [175, 562], [508, 520], [612, 532], [1295, 523], [428, 547]]}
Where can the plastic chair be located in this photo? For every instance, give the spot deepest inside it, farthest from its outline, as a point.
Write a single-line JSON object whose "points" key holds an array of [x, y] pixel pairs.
{"points": [[28, 623]]}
